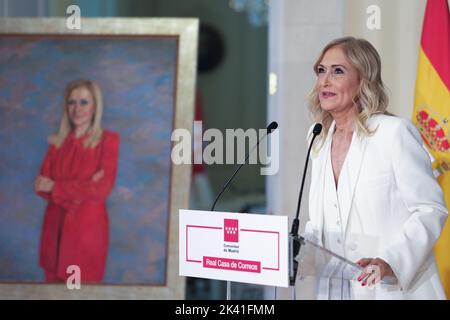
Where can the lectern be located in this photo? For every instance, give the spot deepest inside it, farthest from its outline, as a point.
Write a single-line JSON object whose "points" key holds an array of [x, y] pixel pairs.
{"points": [[254, 248]]}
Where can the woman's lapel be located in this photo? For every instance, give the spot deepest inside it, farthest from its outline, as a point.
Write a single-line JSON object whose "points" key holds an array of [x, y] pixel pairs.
{"points": [[321, 161], [348, 179]]}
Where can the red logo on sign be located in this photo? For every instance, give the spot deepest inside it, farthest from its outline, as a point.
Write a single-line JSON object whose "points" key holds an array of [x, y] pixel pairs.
{"points": [[231, 230]]}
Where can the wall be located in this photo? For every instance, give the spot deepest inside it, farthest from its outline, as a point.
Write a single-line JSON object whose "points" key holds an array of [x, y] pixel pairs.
{"points": [[398, 43], [234, 94], [298, 30], [16, 8]]}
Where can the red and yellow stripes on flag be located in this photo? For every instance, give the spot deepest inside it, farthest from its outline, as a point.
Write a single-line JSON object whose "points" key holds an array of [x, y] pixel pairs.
{"points": [[432, 110]]}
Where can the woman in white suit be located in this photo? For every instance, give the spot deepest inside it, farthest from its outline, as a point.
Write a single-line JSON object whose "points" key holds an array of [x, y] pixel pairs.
{"points": [[373, 196]]}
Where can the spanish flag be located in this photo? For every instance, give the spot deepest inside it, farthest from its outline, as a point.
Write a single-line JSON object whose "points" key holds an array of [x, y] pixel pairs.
{"points": [[432, 111]]}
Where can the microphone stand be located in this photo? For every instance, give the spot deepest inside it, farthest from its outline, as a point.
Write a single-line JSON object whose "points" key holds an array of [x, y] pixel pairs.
{"points": [[272, 126], [296, 241]]}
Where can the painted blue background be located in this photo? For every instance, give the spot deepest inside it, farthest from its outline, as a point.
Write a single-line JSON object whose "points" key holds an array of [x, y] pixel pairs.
{"points": [[137, 77]]}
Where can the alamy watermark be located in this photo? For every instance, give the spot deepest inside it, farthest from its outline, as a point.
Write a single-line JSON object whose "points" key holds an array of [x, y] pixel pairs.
{"points": [[230, 148], [73, 21], [374, 20], [74, 280]]}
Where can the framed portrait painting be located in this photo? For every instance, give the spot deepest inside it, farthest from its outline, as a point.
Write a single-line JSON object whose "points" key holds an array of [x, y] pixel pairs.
{"points": [[146, 70]]}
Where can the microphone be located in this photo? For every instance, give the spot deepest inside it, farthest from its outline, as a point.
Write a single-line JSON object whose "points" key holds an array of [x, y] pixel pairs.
{"points": [[270, 128], [294, 240]]}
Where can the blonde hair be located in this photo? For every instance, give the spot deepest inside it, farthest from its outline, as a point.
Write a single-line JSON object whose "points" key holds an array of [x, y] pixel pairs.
{"points": [[371, 98], [66, 127]]}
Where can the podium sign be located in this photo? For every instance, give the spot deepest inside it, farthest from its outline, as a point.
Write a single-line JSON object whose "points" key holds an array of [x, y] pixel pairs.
{"points": [[250, 248]]}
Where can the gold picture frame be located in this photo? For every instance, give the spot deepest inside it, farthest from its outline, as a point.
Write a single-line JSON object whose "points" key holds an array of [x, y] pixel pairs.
{"points": [[186, 32]]}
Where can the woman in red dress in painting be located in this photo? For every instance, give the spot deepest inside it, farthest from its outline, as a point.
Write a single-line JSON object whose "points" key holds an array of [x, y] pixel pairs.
{"points": [[76, 177]]}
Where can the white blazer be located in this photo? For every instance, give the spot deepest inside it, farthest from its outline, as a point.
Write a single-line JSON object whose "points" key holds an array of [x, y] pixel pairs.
{"points": [[391, 206]]}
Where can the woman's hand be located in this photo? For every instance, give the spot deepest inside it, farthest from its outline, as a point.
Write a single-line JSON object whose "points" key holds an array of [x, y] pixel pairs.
{"points": [[43, 184], [374, 271]]}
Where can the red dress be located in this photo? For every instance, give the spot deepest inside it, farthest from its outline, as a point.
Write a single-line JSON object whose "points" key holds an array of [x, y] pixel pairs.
{"points": [[75, 228]]}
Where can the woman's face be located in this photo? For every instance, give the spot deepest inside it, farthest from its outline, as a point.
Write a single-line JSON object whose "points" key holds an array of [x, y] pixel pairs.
{"points": [[80, 106], [337, 81]]}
